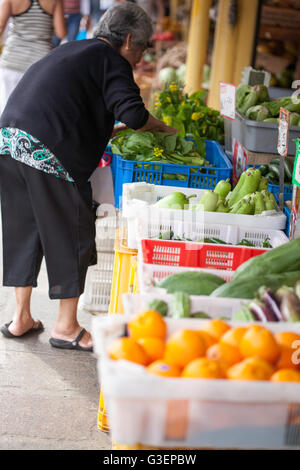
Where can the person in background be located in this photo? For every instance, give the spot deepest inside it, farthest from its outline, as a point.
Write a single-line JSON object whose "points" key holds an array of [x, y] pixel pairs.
{"points": [[56, 124], [77, 14], [28, 37]]}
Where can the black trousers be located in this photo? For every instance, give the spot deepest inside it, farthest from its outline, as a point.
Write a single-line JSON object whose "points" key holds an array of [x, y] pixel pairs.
{"points": [[43, 215]]}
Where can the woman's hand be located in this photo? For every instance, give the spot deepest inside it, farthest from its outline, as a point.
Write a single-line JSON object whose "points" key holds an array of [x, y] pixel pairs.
{"points": [[155, 125], [117, 128]]}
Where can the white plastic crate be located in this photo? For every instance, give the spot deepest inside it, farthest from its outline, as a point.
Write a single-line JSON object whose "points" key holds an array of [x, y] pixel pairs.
{"points": [[194, 413], [105, 233], [96, 296], [150, 274], [214, 307], [144, 220]]}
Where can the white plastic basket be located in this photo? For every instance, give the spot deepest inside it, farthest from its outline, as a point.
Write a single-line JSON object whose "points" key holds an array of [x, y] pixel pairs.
{"points": [[105, 233], [96, 296], [145, 221], [214, 307], [194, 413], [150, 274]]}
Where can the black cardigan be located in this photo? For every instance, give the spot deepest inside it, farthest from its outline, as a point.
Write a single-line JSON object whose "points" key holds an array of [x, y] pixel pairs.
{"points": [[70, 99]]}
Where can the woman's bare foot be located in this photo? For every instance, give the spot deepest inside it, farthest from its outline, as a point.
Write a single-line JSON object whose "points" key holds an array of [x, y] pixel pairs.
{"points": [[21, 325], [70, 335]]}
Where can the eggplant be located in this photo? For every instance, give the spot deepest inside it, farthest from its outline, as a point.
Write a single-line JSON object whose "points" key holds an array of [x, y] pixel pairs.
{"points": [[297, 289], [261, 311], [290, 306], [271, 302]]}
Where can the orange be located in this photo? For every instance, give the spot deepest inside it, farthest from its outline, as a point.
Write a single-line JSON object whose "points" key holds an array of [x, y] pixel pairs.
{"points": [[286, 375], [223, 351], [233, 336], [147, 323], [208, 339], [129, 349], [203, 368], [285, 360], [164, 369], [153, 347], [259, 341], [287, 338], [216, 328], [252, 368], [184, 346]]}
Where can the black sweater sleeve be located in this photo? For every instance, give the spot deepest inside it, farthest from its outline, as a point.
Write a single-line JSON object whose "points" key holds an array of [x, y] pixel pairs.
{"points": [[122, 95]]}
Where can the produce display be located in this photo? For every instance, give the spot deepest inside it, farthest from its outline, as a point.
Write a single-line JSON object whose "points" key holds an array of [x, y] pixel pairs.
{"points": [[215, 350], [250, 196], [282, 304], [271, 171], [273, 269], [161, 148], [188, 113], [255, 104]]}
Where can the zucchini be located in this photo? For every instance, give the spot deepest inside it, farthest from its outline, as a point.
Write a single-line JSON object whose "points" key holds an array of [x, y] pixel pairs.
{"points": [[180, 305], [199, 315], [264, 169], [275, 169], [192, 282]]}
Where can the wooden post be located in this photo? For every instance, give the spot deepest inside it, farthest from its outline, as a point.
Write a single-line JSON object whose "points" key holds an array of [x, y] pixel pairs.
{"points": [[247, 17], [197, 45], [223, 59]]}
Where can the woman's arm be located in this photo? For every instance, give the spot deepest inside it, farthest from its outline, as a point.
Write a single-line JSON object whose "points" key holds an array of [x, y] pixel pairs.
{"points": [[59, 23], [155, 125], [5, 13]]}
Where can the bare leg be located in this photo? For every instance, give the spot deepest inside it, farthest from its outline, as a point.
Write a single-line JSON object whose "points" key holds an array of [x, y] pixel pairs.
{"points": [[22, 320], [67, 326]]}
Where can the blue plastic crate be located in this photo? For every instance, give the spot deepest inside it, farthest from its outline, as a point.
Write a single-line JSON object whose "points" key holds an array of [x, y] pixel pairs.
{"points": [[287, 212], [128, 171]]}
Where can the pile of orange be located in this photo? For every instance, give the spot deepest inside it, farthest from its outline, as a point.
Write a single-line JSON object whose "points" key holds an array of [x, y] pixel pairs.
{"points": [[215, 351]]}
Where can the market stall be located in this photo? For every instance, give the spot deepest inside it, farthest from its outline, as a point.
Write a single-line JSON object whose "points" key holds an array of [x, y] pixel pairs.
{"points": [[203, 348]]}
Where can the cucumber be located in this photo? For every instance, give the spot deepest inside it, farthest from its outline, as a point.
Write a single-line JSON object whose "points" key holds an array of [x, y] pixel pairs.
{"points": [[180, 305], [192, 282], [159, 306]]}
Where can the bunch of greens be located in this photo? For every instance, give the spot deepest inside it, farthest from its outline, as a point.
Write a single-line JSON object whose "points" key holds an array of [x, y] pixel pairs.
{"points": [[188, 113], [161, 148]]}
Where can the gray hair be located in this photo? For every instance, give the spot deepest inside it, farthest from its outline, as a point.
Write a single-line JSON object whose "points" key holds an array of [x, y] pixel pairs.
{"points": [[123, 19]]}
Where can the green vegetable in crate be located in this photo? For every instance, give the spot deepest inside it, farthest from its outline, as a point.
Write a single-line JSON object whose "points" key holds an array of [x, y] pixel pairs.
{"points": [[180, 305], [294, 119], [257, 113], [175, 200], [192, 282], [244, 206], [269, 200], [259, 203], [284, 258], [263, 184], [168, 235], [246, 288], [159, 306], [272, 120], [222, 207], [249, 96], [208, 201], [247, 184], [199, 315], [243, 314], [222, 189], [289, 304]]}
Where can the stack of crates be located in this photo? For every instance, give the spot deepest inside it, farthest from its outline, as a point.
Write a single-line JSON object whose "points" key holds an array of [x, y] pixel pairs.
{"points": [[96, 296]]}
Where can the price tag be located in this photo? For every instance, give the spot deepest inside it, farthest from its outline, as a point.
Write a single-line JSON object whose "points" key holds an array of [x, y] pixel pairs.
{"points": [[283, 132], [227, 100]]}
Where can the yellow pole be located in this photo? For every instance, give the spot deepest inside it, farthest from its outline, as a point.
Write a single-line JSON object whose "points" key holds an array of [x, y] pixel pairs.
{"points": [[245, 37], [173, 10], [224, 53], [197, 45]]}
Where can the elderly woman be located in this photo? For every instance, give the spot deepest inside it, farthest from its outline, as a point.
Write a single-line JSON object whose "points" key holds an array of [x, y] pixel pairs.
{"points": [[56, 124]]}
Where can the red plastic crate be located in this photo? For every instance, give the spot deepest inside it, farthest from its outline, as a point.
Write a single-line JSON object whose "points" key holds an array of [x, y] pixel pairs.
{"points": [[196, 255]]}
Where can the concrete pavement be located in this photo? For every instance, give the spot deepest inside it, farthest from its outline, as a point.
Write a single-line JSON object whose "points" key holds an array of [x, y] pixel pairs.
{"points": [[48, 397]]}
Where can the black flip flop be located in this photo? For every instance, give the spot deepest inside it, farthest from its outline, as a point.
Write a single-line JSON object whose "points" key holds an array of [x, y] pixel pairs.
{"points": [[62, 344], [5, 331]]}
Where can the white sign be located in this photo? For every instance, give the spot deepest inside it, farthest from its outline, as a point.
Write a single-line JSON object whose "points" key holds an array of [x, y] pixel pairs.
{"points": [[227, 100], [283, 132]]}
